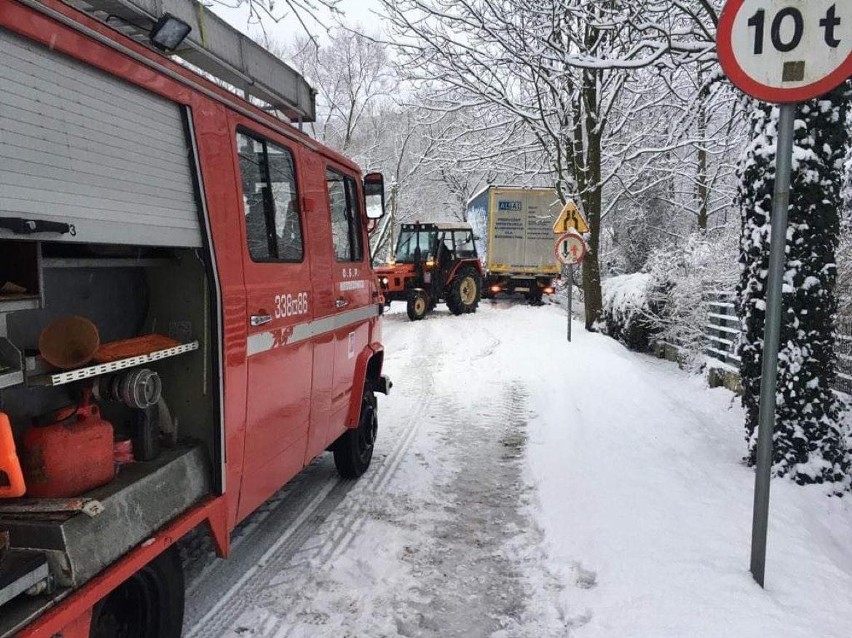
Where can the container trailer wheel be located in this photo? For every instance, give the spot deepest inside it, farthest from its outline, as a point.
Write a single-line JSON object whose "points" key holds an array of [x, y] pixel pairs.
{"points": [[465, 291], [353, 451], [418, 305], [535, 298], [149, 604]]}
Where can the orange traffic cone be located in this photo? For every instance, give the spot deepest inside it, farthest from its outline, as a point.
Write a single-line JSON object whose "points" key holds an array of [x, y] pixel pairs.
{"points": [[11, 477]]}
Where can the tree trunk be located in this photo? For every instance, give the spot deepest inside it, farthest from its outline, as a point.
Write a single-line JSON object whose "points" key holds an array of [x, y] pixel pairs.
{"points": [[701, 178], [591, 265], [592, 203], [703, 192], [702, 189]]}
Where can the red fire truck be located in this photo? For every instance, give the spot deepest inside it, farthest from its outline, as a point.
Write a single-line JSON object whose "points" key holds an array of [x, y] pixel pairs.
{"points": [[186, 304]]}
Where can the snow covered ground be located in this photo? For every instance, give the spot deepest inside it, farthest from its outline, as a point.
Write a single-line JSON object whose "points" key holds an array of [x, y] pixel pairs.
{"points": [[528, 487]]}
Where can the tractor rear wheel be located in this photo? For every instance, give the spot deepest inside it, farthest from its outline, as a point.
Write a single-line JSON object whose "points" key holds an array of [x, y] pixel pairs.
{"points": [[418, 305], [465, 291]]}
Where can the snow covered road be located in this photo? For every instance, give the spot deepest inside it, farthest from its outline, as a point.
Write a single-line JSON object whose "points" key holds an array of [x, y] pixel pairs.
{"points": [[527, 487]]}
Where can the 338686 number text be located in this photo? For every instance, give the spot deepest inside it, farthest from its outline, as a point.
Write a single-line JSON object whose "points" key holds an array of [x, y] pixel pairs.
{"points": [[289, 305]]}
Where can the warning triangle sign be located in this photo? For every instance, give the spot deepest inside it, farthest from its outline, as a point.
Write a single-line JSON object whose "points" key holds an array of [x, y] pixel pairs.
{"points": [[570, 219]]}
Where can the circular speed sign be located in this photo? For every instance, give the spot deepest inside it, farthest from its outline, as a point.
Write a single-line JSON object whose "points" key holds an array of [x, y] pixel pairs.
{"points": [[570, 248], [786, 50]]}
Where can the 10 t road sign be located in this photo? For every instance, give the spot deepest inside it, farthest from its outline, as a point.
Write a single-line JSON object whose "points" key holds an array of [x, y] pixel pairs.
{"points": [[786, 50]]}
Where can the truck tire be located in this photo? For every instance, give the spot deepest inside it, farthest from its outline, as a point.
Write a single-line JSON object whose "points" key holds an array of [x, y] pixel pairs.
{"points": [[149, 604], [535, 298], [418, 305], [465, 291], [353, 451]]}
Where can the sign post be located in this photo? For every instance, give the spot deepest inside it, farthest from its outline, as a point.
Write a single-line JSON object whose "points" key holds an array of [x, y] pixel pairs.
{"points": [[782, 51], [570, 299], [772, 333], [570, 219], [570, 249]]}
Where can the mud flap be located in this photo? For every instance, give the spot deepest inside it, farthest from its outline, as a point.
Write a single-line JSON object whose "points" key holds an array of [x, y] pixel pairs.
{"points": [[383, 385], [369, 363]]}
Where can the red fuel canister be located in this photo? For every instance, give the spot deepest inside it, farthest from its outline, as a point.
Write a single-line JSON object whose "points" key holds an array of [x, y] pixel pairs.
{"points": [[70, 456]]}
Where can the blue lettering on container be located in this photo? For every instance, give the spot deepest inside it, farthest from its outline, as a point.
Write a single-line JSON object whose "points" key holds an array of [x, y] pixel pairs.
{"points": [[513, 206]]}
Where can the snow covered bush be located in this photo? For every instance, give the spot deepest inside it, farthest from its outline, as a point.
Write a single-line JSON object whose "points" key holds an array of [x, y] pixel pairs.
{"points": [[705, 262], [628, 305], [844, 249], [809, 442], [667, 302]]}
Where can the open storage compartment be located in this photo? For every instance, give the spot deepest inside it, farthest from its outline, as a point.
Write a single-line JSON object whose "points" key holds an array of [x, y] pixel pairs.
{"points": [[20, 275], [127, 292], [21, 288]]}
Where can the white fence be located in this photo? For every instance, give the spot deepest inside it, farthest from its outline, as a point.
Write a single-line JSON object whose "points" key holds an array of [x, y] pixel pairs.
{"points": [[843, 350], [722, 327], [722, 331]]}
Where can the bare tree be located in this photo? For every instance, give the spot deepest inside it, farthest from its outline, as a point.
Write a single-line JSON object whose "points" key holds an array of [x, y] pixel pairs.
{"points": [[353, 77], [306, 12], [561, 69]]}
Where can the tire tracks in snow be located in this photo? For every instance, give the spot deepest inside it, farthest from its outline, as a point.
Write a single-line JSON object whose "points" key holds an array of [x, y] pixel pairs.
{"points": [[300, 518], [466, 570], [473, 580], [353, 513]]}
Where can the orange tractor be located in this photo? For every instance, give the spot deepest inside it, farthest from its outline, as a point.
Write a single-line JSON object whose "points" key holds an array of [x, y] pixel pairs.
{"points": [[432, 263]]}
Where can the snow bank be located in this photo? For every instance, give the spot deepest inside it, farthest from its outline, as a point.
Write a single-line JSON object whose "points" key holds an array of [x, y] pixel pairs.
{"points": [[646, 504], [627, 307]]}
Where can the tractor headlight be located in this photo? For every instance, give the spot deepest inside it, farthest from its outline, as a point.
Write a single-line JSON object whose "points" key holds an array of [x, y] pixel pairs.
{"points": [[384, 281]]}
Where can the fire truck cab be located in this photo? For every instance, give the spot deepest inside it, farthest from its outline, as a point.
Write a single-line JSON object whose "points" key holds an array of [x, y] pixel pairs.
{"points": [[186, 301]]}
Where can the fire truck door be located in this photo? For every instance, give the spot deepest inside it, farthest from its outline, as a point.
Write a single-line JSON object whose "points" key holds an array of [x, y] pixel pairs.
{"points": [[323, 298], [351, 274], [277, 278]]}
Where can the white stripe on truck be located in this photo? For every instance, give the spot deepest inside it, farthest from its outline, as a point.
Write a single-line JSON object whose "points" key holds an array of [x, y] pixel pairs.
{"points": [[264, 341]]}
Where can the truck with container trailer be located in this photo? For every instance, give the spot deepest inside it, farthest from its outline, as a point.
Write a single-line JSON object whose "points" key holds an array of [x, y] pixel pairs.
{"points": [[188, 313], [514, 227]]}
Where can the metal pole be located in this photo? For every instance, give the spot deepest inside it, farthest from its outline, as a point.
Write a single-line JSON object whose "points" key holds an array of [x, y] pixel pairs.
{"points": [[772, 333], [570, 297], [391, 247]]}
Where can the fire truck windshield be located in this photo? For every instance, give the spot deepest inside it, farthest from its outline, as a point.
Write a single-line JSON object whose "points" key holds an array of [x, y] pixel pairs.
{"points": [[408, 243]]}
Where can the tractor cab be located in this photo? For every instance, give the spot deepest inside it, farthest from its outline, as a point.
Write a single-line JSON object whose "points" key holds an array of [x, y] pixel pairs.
{"points": [[432, 263], [416, 244]]}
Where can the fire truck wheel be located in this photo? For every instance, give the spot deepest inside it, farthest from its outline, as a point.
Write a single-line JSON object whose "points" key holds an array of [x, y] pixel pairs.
{"points": [[148, 605], [418, 305], [465, 291], [353, 451]]}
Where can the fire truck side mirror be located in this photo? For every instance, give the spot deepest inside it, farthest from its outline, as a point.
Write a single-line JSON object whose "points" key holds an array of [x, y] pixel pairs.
{"points": [[374, 194]]}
